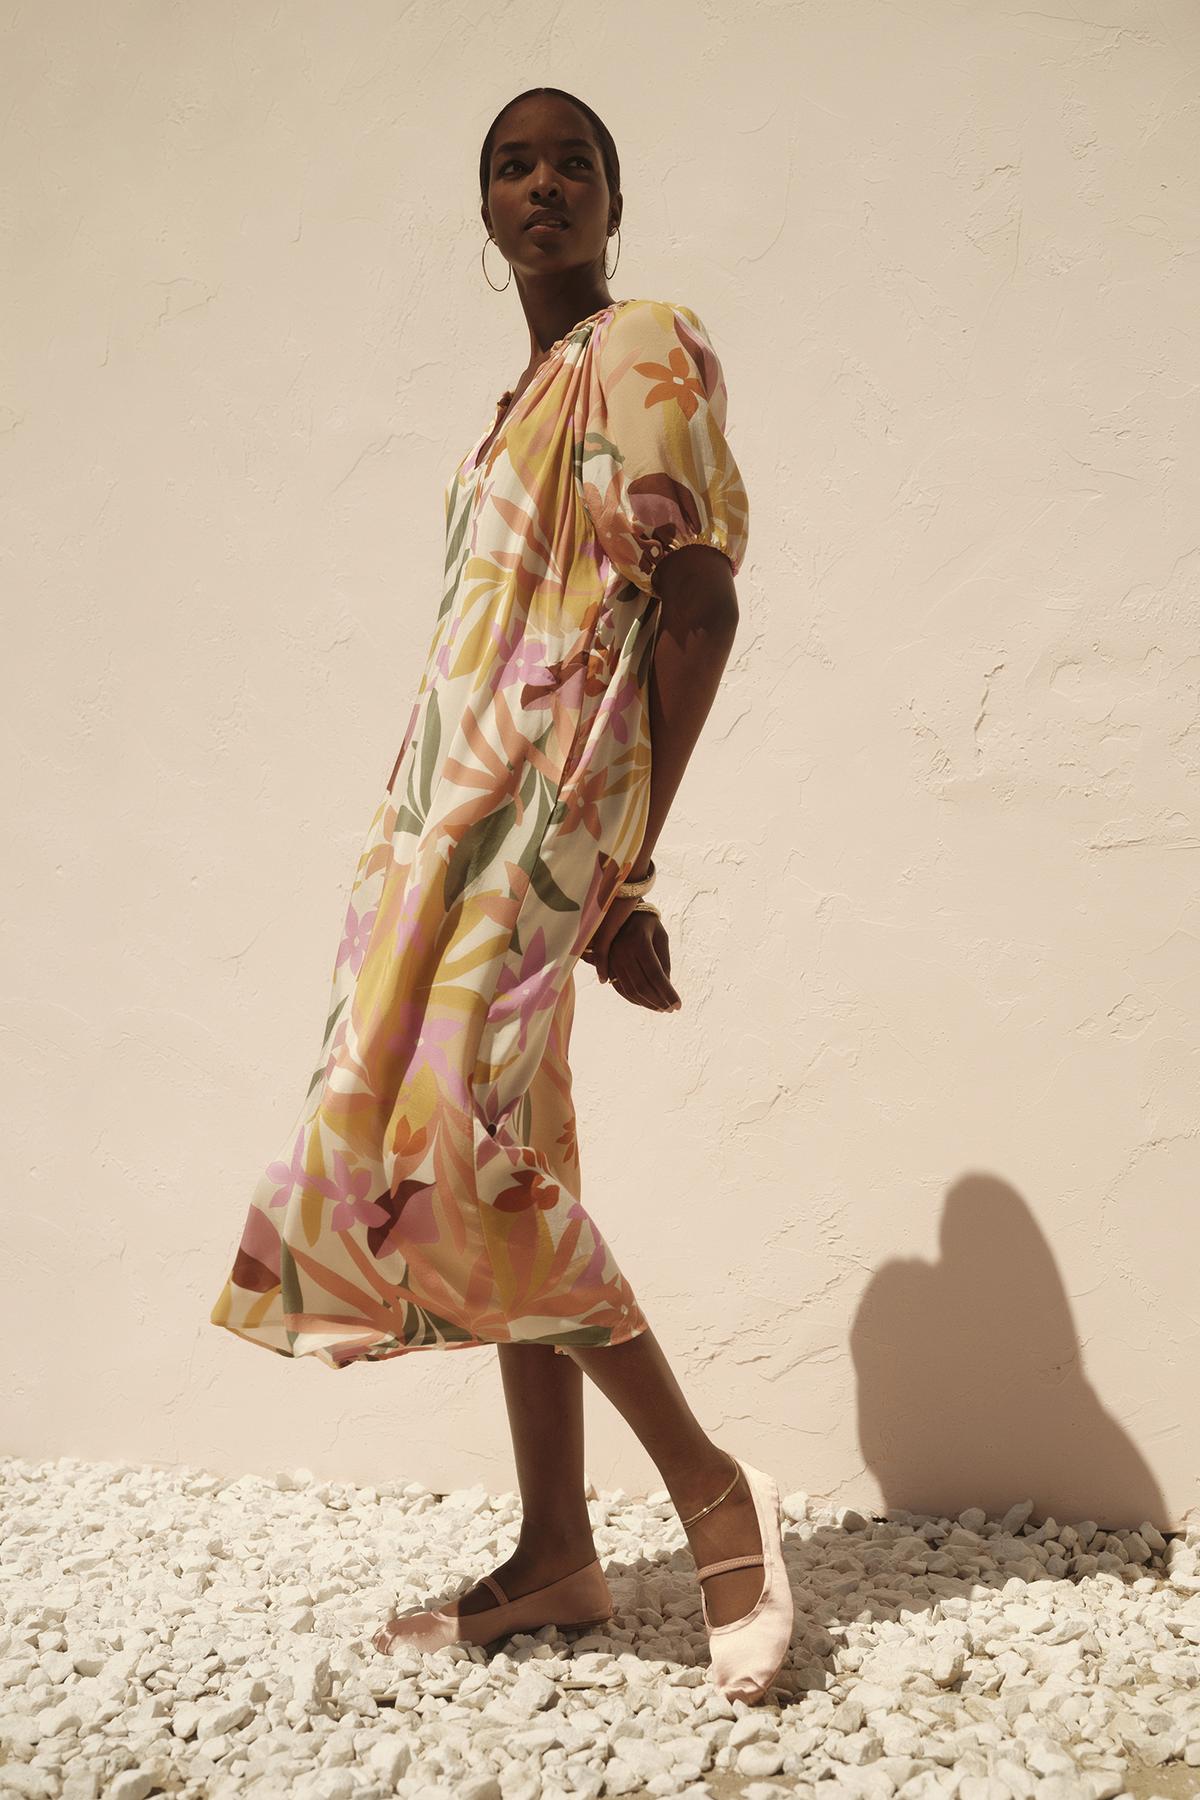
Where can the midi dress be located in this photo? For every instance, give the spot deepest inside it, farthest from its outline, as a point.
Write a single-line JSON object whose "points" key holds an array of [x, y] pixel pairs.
{"points": [[428, 1195]]}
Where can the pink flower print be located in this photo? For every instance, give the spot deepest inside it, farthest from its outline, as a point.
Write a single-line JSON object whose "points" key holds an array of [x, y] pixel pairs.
{"points": [[418, 1042], [564, 685], [593, 1275], [594, 1270], [355, 937], [529, 990], [409, 918], [513, 653], [442, 659], [528, 666], [258, 1257], [618, 708], [351, 1189], [291, 1175]]}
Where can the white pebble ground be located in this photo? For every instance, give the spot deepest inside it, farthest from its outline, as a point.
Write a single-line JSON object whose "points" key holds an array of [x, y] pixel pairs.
{"points": [[180, 1632]]}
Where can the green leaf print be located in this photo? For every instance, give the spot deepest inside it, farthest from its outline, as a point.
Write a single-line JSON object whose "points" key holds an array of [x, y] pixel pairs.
{"points": [[413, 809], [431, 741], [477, 849], [548, 890], [407, 820], [531, 849], [332, 1021], [530, 859], [290, 1297], [595, 444], [588, 1334], [454, 544], [447, 1329], [318, 1074]]}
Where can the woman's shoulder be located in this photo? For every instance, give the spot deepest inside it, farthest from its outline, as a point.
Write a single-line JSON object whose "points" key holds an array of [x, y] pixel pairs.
{"points": [[653, 327], [641, 312]]}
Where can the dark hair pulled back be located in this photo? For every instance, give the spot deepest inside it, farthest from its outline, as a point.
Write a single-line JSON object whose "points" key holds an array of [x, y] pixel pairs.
{"points": [[608, 150]]}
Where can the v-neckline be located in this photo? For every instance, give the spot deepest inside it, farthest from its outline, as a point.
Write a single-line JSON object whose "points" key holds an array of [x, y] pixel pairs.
{"points": [[500, 422]]}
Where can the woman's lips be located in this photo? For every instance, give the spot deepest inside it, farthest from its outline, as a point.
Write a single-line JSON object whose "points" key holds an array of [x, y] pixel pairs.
{"points": [[547, 225]]}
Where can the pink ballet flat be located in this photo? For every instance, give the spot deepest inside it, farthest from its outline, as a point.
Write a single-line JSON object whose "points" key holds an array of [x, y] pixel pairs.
{"points": [[749, 1652], [578, 1599]]}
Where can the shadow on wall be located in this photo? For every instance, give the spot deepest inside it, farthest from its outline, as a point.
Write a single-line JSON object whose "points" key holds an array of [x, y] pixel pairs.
{"points": [[971, 1383]]}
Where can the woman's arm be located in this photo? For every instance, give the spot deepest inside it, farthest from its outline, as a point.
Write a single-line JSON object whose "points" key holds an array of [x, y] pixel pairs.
{"points": [[695, 635]]}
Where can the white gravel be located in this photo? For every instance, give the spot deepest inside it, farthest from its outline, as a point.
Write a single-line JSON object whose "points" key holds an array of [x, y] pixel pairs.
{"points": [[177, 1631]]}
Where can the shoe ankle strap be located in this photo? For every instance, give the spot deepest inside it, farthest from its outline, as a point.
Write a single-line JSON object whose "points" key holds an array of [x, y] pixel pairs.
{"points": [[730, 1562]]}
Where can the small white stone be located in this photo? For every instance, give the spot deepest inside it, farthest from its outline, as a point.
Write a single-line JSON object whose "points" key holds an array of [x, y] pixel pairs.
{"points": [[325, 1784], [478, 1787], [185, 1719], [221, 1719], [131, 1784], [620, 1778], [759, 1759], [947, 1664], [299, 1619], [532, 1693], [751, 1728]]}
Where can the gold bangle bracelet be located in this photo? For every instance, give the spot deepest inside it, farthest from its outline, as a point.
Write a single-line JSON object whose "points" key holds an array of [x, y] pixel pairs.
{"points": [[635, 889]]}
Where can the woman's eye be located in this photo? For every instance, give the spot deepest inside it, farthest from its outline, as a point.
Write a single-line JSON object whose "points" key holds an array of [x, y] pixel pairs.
{"points": [[513, 162]]}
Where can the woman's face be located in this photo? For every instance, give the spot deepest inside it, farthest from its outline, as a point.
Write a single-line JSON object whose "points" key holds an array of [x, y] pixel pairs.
{"points": [[544, 154]]}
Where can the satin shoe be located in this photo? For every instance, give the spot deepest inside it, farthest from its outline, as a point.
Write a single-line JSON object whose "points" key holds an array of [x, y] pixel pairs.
{"points": [[749, 1652], [575, 1600]]}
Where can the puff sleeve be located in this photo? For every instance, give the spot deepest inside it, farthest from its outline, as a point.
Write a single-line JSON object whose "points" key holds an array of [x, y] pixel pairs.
{"points": [[656, 468]]}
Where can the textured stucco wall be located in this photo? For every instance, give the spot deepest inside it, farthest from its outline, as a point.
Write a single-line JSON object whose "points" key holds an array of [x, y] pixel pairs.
{"points": [[908, 1187]]}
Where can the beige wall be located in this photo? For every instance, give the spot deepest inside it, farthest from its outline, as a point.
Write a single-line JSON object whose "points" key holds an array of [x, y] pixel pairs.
{"points": [[909, 1187]]}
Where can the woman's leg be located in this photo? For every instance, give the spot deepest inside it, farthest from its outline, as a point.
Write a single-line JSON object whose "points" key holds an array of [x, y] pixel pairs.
{"points": [[544, 1396], [639, 1381]]}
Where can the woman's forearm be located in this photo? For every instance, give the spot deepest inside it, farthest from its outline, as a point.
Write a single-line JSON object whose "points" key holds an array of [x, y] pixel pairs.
{"points": [[695, 636]]}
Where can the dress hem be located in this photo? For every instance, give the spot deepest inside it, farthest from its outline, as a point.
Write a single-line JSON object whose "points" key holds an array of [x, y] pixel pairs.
{"points": [[327, 1356]]}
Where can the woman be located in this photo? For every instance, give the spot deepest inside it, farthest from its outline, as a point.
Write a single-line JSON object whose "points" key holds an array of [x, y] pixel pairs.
{"points": [[429, 1197]]}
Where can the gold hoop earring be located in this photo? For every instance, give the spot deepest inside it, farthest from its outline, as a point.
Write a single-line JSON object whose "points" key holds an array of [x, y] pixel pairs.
{"points": [[609, 273], [486, 276]]}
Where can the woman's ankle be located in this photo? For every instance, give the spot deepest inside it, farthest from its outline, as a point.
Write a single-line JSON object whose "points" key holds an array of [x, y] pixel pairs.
{"points": [[706, 1479], [555, 1546]]}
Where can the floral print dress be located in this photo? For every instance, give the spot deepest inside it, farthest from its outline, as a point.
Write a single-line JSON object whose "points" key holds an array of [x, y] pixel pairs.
{"points": [[428, 1195]]}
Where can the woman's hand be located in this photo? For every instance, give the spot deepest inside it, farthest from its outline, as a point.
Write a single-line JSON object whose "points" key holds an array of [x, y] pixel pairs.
{"points": [[631, 950]]}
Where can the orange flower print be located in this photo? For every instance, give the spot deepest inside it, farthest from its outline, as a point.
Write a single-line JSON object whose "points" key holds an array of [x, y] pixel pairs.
{"points": [[581, 802], [529, 1187], [673, 382]]}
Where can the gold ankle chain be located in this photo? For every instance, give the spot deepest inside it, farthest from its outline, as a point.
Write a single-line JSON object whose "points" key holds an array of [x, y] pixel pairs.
{"points": [[707, 1509]]}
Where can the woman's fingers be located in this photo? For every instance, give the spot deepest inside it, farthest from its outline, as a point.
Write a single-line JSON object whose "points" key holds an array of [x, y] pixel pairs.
{"points": [[636, 961], [662, 948], [639, 976]]}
